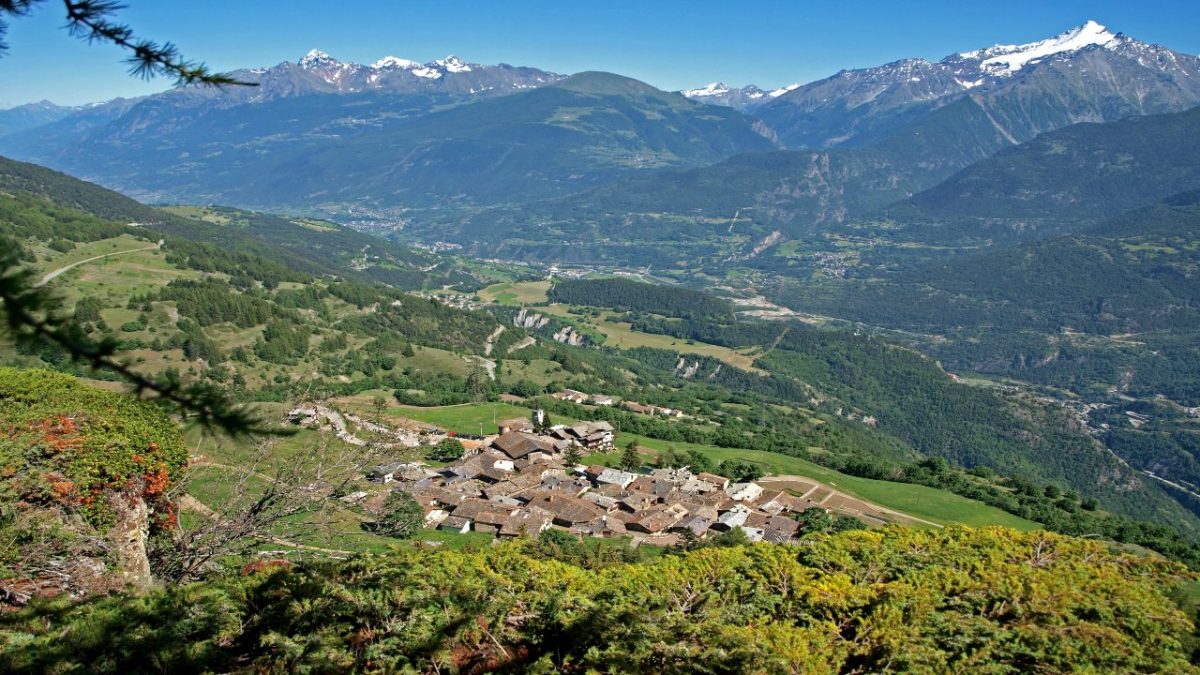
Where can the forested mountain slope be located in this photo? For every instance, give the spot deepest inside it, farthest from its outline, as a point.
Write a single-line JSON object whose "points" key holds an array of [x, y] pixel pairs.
{"points": [[390, 150], [1058, 182]]}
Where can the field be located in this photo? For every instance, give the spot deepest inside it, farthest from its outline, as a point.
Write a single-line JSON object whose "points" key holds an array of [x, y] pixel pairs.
{"points": [[461, 419], [515, 293], [116, 278]]}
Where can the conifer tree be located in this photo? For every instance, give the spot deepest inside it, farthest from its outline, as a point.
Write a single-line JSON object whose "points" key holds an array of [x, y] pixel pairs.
{"points": [[629, 456], [573, 454]]}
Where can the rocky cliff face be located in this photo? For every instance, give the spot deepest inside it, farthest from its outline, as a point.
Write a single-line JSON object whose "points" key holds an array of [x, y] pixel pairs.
{"points": [[86, 474]]}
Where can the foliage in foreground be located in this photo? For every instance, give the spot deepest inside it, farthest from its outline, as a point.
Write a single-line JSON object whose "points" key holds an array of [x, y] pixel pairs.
{"points": [[991, 600], [74, 459]]}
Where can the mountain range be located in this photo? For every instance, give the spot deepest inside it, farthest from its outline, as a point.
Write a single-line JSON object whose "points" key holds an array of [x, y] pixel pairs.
{"points": [[451, 150], [31, 115], [1086, 74]]}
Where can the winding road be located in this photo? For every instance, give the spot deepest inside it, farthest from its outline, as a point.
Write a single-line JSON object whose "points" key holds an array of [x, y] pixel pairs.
{"points": [[50, 276]]}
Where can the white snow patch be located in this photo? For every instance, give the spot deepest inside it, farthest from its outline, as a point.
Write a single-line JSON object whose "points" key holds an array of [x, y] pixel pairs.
{"points": [[427, 72], [1008, 59], [394, 62], [783, 90]]}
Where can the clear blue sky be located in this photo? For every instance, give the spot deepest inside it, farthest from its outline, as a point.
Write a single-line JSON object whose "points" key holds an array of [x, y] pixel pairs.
{"points": [[671, 45]]}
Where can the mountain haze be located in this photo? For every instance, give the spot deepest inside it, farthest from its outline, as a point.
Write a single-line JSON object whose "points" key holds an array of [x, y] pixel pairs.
{"points": [[311, 136]]}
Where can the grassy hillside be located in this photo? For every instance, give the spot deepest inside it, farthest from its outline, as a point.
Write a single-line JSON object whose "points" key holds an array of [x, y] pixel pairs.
{"points": [[273, 334], [48, 204]]}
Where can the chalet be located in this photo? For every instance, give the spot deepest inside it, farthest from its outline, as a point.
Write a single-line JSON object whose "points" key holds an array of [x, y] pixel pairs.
{"points": [[513, 485], [716, 500], [720, 482], [636, 502], [472, 508], [492, 475], [562, 485], [784, 502], [658, 520], [611, 476], [468, 469], [594, 436], [528, 522], [697, 524], [695, 486], [780, 529], [567, 511], [656, 487], [603, 501], [600, 399], [611, 489], [518, 445], [305, 416], [491, 521], [732, 518], [773, 536]]}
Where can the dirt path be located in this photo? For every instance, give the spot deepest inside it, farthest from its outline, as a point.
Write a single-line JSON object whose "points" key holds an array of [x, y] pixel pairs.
{"points": [[51, 276], [190, 503], [842, 497], [489, 366], [491, 341], [525, 342]]}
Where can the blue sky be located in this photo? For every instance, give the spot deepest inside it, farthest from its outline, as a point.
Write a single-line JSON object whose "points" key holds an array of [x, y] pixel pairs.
{"points": [[671, 45]]}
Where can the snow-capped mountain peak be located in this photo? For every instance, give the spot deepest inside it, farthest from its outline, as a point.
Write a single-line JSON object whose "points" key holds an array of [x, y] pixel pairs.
{"points": [[1008, 59], [315, 58], [390, 62], [710, 89], [453, 64]]}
